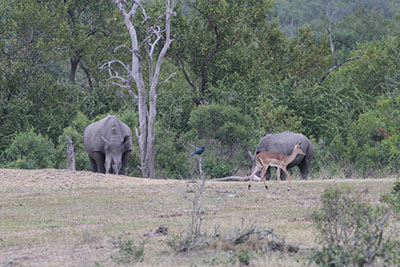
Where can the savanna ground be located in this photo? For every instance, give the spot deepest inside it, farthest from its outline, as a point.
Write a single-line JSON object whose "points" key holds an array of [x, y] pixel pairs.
{"points": [[64, 218]]}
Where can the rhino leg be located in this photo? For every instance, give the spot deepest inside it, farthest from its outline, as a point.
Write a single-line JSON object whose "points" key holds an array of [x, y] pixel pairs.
{"points": [[125, 158], [93, 166], [304, 166], [99, 159]]}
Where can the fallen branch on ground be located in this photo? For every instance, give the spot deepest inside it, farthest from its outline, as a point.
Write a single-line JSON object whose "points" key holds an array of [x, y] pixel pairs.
{"points": [[235, 179]]}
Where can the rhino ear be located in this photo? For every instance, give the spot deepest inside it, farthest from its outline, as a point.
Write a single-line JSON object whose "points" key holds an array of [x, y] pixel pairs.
{"points": [[105, 140], [126, 140]]}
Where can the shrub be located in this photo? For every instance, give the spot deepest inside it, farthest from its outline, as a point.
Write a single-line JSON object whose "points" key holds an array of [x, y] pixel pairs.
{"points": [[225, 124], [29, 151], [394, 197], [128, 252], [171, 158], [215, 167], [351, 232], [364, 144], [226, 132]]}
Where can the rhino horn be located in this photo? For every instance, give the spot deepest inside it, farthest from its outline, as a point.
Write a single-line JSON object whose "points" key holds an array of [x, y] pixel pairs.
{"points": [[105, 140]]}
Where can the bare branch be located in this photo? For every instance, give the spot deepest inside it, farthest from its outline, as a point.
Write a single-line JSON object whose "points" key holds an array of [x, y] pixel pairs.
{"points": [[137, 133], [132, 94], [120, 6], [122, 46], [333, 46], [114, 75], [166, 80], [143, 11], [109, 63], [186, 75], [252, 156], [135, 5], [157, 31], [337, 66], [118, 84]]}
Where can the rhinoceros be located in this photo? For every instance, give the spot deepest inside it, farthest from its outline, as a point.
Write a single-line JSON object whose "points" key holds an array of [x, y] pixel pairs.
{"points": [[108, 143], [284, 143]]}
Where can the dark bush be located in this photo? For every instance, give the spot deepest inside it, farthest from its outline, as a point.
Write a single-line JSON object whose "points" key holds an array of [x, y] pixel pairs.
{"points": [[29, 151]]}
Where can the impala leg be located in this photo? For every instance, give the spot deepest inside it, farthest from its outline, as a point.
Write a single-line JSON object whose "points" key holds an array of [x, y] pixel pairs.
{"points": [[256, 169], [278, 171], [262, 176], [288, 177]]}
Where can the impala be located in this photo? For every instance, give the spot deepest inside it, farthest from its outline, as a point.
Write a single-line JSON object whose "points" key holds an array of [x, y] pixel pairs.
{"points": [[266, 159]]}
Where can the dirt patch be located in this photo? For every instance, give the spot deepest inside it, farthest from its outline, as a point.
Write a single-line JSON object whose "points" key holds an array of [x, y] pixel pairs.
{"points": [[51, 178]]}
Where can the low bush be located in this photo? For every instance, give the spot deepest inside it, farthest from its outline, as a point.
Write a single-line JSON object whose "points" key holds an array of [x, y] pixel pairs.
{"points": [[352, 232], [128, 252]]}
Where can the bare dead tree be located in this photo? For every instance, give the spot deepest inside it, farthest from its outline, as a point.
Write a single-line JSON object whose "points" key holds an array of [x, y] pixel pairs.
{"points": [[140, 50]]}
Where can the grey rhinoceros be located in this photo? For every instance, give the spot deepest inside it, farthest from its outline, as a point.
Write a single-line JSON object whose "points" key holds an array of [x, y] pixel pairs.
{"points": [[284, 143], [108, 143]]}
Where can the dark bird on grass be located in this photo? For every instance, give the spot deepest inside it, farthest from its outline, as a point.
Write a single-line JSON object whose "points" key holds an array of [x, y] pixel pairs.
{"points": [[198, 151]]}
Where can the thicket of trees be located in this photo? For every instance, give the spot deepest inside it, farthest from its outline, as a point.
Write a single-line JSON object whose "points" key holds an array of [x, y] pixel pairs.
{"points": [[327, 69]]}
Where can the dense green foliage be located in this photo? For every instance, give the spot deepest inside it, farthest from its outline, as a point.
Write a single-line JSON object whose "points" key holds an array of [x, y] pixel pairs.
{"points": [[30, 151], [243, 68]]}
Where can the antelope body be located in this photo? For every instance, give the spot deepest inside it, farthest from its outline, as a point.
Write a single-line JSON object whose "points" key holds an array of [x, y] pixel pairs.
{"points": [[266, 159]]}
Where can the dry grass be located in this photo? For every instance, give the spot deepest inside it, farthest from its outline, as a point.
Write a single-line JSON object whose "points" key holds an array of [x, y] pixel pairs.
{"points": [[64, 218]]}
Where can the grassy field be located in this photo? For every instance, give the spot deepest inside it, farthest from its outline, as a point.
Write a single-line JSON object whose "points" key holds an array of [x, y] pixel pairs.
{"points": [[64, 218]]}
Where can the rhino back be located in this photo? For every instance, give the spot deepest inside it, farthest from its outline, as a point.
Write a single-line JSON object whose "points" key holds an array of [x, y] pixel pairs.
{"points": [[93, 132], [284, 143]]}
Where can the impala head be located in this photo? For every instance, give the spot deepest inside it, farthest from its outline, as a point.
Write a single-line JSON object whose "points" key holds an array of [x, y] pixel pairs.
{"points": [[298, 149]]}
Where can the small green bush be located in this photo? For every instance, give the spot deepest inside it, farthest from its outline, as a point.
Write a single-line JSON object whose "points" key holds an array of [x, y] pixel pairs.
{"points": [[394, 197], [352, 232], [244, 257], [171, 157], [225, 131], [216, 168], [29, 151], [128, 252], [364, 144]]}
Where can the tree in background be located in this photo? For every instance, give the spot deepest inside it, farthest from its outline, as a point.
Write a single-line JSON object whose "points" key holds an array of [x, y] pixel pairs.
{"points": [[205, 34]]}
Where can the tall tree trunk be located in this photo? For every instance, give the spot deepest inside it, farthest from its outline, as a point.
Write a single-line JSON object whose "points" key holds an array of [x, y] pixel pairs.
{"points": [[151, 133], [146, 103]]}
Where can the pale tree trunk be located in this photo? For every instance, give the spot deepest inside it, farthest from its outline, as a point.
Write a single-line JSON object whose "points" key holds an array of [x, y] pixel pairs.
{"points": [[147, 102]]}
